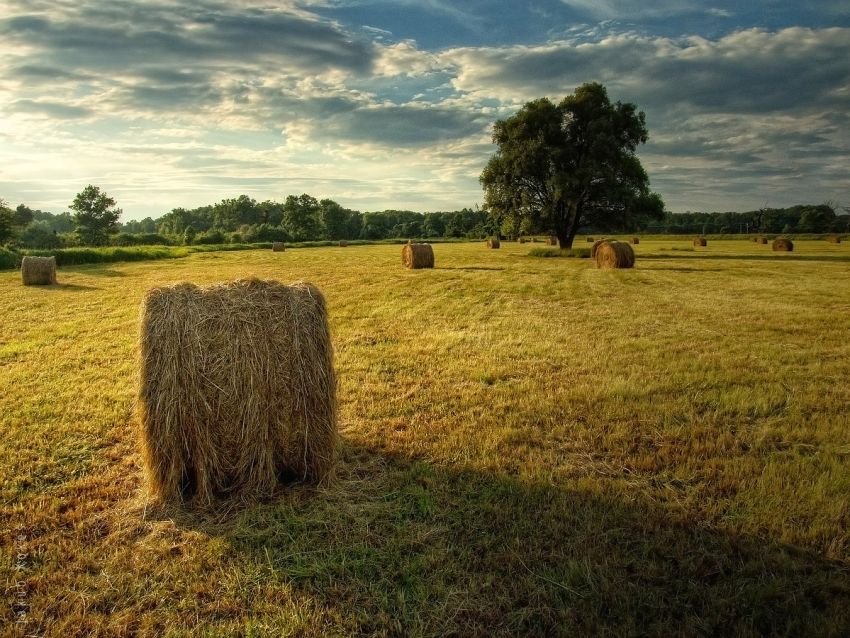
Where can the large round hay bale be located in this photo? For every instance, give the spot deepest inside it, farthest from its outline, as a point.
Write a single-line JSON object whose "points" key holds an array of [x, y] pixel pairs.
{"points": [[343, 243], [493, 242], [237, 390], [595, 247], [834, 239], [700, 241], [589, 240], [278, 247], [614, 254], [783, 244], [417, 256], [755, 239], [762, 240], [635, 240], [552, 241], [521, 240], [38, 271]]}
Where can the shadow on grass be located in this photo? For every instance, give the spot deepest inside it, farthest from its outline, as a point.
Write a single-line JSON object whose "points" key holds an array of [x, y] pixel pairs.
{"points": [[94, 269], [468, 268], [402, 547], [63, 286]]}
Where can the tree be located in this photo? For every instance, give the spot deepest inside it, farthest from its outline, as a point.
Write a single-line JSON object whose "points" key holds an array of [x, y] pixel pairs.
{"points": [[95, 215], [301, 217], [7, 221], [23, 215], [571, 164]]}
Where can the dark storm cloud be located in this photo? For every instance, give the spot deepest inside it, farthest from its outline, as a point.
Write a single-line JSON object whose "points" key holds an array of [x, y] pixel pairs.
{"points": [[97, 38]]}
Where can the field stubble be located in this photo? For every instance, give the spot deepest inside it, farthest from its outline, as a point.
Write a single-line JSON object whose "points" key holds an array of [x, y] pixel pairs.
{"points": [[528, 446]]}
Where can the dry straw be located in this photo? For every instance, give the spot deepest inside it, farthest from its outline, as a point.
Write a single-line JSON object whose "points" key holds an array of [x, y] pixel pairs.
{"points": [[635, 240], [38, 271], [237, 390], [278, 247], [700, 241], [493, 242], [615, 254], [417, 256], [783, 244], [834, 239], [595, 247]]}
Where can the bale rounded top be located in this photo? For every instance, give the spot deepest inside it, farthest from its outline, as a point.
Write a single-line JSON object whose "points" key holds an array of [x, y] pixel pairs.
{"points": [[783, 244], [615, 254], [417, 256], [595, 247]]}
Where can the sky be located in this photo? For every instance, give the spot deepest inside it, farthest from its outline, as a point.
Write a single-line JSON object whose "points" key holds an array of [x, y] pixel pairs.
{"points": [[390, 104]]}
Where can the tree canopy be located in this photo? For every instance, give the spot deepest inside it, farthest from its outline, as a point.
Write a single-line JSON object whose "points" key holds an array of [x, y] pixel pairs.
{"points": [[562, 166], [95, 215]]}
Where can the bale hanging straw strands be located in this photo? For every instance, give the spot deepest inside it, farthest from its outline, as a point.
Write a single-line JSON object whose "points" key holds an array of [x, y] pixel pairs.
{"points": [[493, 242], [782, 244], [278, 247], [700, 241], [417, 256], [615, 254], [38, 271], [237, 389]]}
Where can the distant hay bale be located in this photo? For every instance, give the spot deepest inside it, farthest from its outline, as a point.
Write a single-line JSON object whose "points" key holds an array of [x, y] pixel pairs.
{"points": [[553, 241], [762, 240], [278, 247], [343, 243], [595, 247], [756, 239], [38, 271], [635, 240], [237, 390], [614, 254], [589, 240], [783, 244], [417, 256], [834, 239], [494, 242], [521, 240], [700, 241]]}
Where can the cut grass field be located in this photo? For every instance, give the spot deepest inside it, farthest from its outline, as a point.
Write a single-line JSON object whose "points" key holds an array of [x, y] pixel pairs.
{"points": [[528, 446]]}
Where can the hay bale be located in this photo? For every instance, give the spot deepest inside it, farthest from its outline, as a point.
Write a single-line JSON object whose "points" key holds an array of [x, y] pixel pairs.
{"points": [[521, 240], [635, 240], [834, 239], [417, 256], [278, 247], [38, 271], [589, 240], [700, 241], [553, 241], [237, 390], [755, 239], [783, 244], [595, 247], [614, 254], [494, 242], [762, 240], [343, 243]]}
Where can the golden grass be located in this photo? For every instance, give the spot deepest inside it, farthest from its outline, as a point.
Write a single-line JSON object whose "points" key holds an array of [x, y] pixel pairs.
{"points": [[517, 458]]}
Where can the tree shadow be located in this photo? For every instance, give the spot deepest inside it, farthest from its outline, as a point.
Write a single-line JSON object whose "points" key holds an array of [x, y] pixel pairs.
{"points": [[770, 257], [65, 286], [397, 546], [100, 272]]}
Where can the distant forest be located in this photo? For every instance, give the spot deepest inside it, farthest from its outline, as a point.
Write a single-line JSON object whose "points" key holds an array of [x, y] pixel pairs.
{"points": [[305, 218]]}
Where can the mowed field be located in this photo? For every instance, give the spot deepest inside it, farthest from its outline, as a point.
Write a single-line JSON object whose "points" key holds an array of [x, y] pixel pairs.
{"points": [[528, 446]]}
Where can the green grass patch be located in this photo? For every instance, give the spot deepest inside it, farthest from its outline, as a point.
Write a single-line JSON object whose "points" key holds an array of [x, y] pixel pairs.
{"points": [[580, 253]]}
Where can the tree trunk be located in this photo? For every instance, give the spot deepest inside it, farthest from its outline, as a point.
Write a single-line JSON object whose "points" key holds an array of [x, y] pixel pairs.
{"points": [[566, 224]]}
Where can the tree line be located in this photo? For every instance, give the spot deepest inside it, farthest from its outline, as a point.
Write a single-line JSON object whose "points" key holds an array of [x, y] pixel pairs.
{"points": [[94, 220]]}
